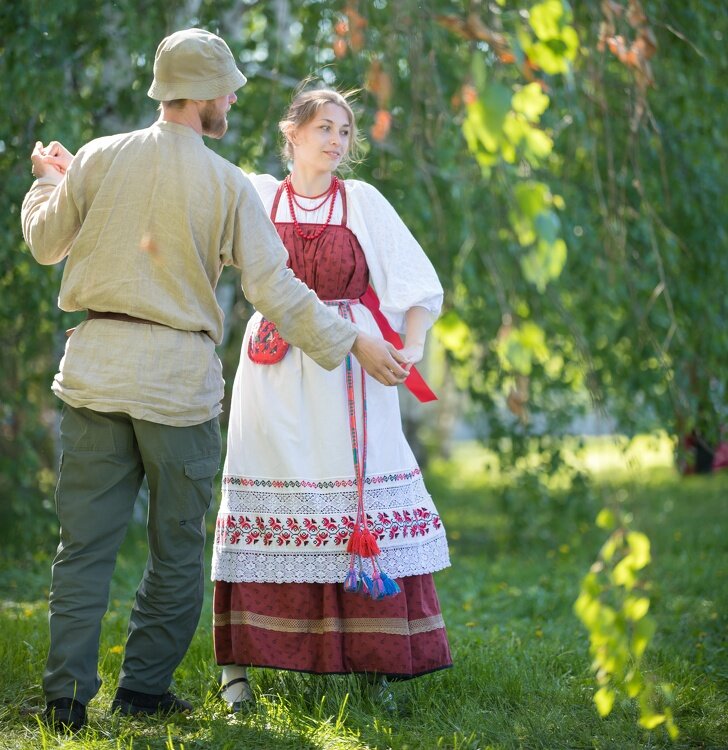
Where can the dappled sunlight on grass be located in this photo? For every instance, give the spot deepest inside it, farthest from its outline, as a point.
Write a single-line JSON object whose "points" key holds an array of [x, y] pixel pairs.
{"points": [[22, 609], [602, 457], [520, 547], [618, 454]]}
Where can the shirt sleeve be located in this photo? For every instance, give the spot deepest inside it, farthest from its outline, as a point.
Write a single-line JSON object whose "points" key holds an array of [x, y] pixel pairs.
{"points": [[50, 219], [400, 271], [274, 290]]}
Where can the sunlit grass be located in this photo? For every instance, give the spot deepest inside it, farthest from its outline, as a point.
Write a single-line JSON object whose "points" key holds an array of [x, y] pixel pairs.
{"points": [[602, 457], [521, 677], [606, 455]]}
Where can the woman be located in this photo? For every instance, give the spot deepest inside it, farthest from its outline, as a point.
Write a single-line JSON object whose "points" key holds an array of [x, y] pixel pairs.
{"points": [[320, 487]]}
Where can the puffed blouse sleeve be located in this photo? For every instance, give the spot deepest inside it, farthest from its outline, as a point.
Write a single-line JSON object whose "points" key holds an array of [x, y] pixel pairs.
{"points": [[266, 186], [400, 272]]}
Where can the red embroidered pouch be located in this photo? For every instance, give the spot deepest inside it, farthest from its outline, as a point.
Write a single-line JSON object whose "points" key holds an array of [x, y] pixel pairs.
{"points": [[265, 346]]}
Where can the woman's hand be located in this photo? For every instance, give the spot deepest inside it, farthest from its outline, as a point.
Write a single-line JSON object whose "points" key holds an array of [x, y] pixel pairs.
{"points": [[417, 321], [412, 354]]}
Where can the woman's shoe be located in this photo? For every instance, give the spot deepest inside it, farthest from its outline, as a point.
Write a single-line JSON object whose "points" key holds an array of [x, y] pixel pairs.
{"points": [[237, 693], [380, 693]]}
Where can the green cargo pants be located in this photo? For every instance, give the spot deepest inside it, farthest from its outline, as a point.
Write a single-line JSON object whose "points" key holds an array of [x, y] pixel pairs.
{"points": [[104, 459]]}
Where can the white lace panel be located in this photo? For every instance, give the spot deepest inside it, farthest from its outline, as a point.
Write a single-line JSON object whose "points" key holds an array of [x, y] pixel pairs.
{"points": [[297, 530]]}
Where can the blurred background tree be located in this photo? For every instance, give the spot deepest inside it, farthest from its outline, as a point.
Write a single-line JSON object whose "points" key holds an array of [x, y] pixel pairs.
{"points": [[562, 167]]}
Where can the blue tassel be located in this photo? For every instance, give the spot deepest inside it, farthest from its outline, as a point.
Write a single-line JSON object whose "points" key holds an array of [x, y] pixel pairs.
{"points": [[376, 586], [390, 586], [377, 591], [352, 582], [366, 583]]}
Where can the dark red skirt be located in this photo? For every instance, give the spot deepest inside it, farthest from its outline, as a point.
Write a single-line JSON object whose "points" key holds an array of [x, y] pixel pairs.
{"points": [[320, 628]]}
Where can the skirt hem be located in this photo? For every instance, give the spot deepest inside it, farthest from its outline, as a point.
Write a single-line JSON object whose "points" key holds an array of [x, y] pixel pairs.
{"points": [[394, 676]]}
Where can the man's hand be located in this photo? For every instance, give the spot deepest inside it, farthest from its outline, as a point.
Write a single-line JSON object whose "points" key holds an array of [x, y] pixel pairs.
{"points": [[380, 359], [50, 161]]}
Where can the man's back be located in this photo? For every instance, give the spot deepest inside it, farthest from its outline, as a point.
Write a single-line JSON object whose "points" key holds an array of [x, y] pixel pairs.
{"points": [[146, 219], [149, 230]]}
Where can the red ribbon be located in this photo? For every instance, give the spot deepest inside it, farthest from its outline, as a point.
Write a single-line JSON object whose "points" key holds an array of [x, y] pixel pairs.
{"points": [[415, 382]]}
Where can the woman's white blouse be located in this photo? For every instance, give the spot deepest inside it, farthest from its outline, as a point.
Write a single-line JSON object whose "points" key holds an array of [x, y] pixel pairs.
{"points": [[400, 272]]}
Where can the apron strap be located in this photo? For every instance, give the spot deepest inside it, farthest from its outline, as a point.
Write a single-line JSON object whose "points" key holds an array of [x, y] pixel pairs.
{"points": [[342, 190], [276, 200]]}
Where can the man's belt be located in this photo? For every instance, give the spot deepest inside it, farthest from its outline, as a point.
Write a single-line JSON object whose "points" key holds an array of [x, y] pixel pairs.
{"points": [[123, 317], [96, 315]]}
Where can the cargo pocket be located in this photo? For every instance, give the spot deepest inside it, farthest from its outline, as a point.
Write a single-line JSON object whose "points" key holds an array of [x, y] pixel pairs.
{"points": [[201, 468], [201, 473]]}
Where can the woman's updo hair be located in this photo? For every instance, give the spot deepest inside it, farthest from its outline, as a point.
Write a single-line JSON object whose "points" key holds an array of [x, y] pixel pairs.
{"points": [[304, 108]]}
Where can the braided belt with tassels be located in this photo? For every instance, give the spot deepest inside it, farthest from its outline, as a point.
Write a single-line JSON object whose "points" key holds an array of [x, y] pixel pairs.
{"points": [[362, 543]]}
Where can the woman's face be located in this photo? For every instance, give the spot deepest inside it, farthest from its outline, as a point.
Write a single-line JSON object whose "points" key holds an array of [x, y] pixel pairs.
{"points": [[322, 142]]}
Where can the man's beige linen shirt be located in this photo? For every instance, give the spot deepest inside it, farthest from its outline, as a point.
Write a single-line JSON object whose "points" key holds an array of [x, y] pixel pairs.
{"points": [[147, 221]]}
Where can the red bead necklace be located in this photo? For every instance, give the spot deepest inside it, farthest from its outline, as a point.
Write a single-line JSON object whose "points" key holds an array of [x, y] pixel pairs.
{"points": [[329, 194], [325, 195]]}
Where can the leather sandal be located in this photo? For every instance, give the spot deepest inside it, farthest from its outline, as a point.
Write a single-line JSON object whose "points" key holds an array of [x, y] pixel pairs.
{"points": [[246, 699]]}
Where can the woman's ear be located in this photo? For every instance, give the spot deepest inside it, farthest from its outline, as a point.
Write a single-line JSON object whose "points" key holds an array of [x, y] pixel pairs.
{"points": [[290, 135]]}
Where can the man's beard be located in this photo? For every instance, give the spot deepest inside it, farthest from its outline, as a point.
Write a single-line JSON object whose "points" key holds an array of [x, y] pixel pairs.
{"points": [[213, 124]]}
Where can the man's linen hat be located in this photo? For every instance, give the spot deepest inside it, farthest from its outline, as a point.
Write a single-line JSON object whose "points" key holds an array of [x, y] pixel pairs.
{"points": [[194, 64]]}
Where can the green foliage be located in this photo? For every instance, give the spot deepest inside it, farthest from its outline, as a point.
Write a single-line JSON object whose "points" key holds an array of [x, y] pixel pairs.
{"points": [[638, 212], [573, 211], [67, 76], [556, 42], [613, 604], [545, 500]]}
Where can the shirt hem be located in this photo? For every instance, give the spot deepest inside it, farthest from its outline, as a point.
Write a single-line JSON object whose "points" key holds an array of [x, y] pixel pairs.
{"points": [[144, 414]]}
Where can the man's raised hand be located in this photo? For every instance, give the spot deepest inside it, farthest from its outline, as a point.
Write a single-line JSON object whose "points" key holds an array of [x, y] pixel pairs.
{"points": [[50, 161]]}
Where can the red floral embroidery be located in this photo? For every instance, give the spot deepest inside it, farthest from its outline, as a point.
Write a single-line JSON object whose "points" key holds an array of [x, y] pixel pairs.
{"points": [[340, 538], [319, 532]]}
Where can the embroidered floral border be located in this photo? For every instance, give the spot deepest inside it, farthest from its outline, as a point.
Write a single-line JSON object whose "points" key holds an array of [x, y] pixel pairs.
{"points": [[326, 484], [295, 531]]}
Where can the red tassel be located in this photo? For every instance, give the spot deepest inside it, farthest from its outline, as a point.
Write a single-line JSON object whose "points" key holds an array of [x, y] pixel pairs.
{"points": [[363, 542]]}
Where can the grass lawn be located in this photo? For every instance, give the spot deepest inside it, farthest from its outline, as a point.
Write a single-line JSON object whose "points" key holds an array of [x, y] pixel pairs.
{"points": [[521, 677]]}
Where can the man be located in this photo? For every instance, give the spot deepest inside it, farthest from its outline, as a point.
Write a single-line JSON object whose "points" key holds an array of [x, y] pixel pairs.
{"points": [[146, 221]]}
